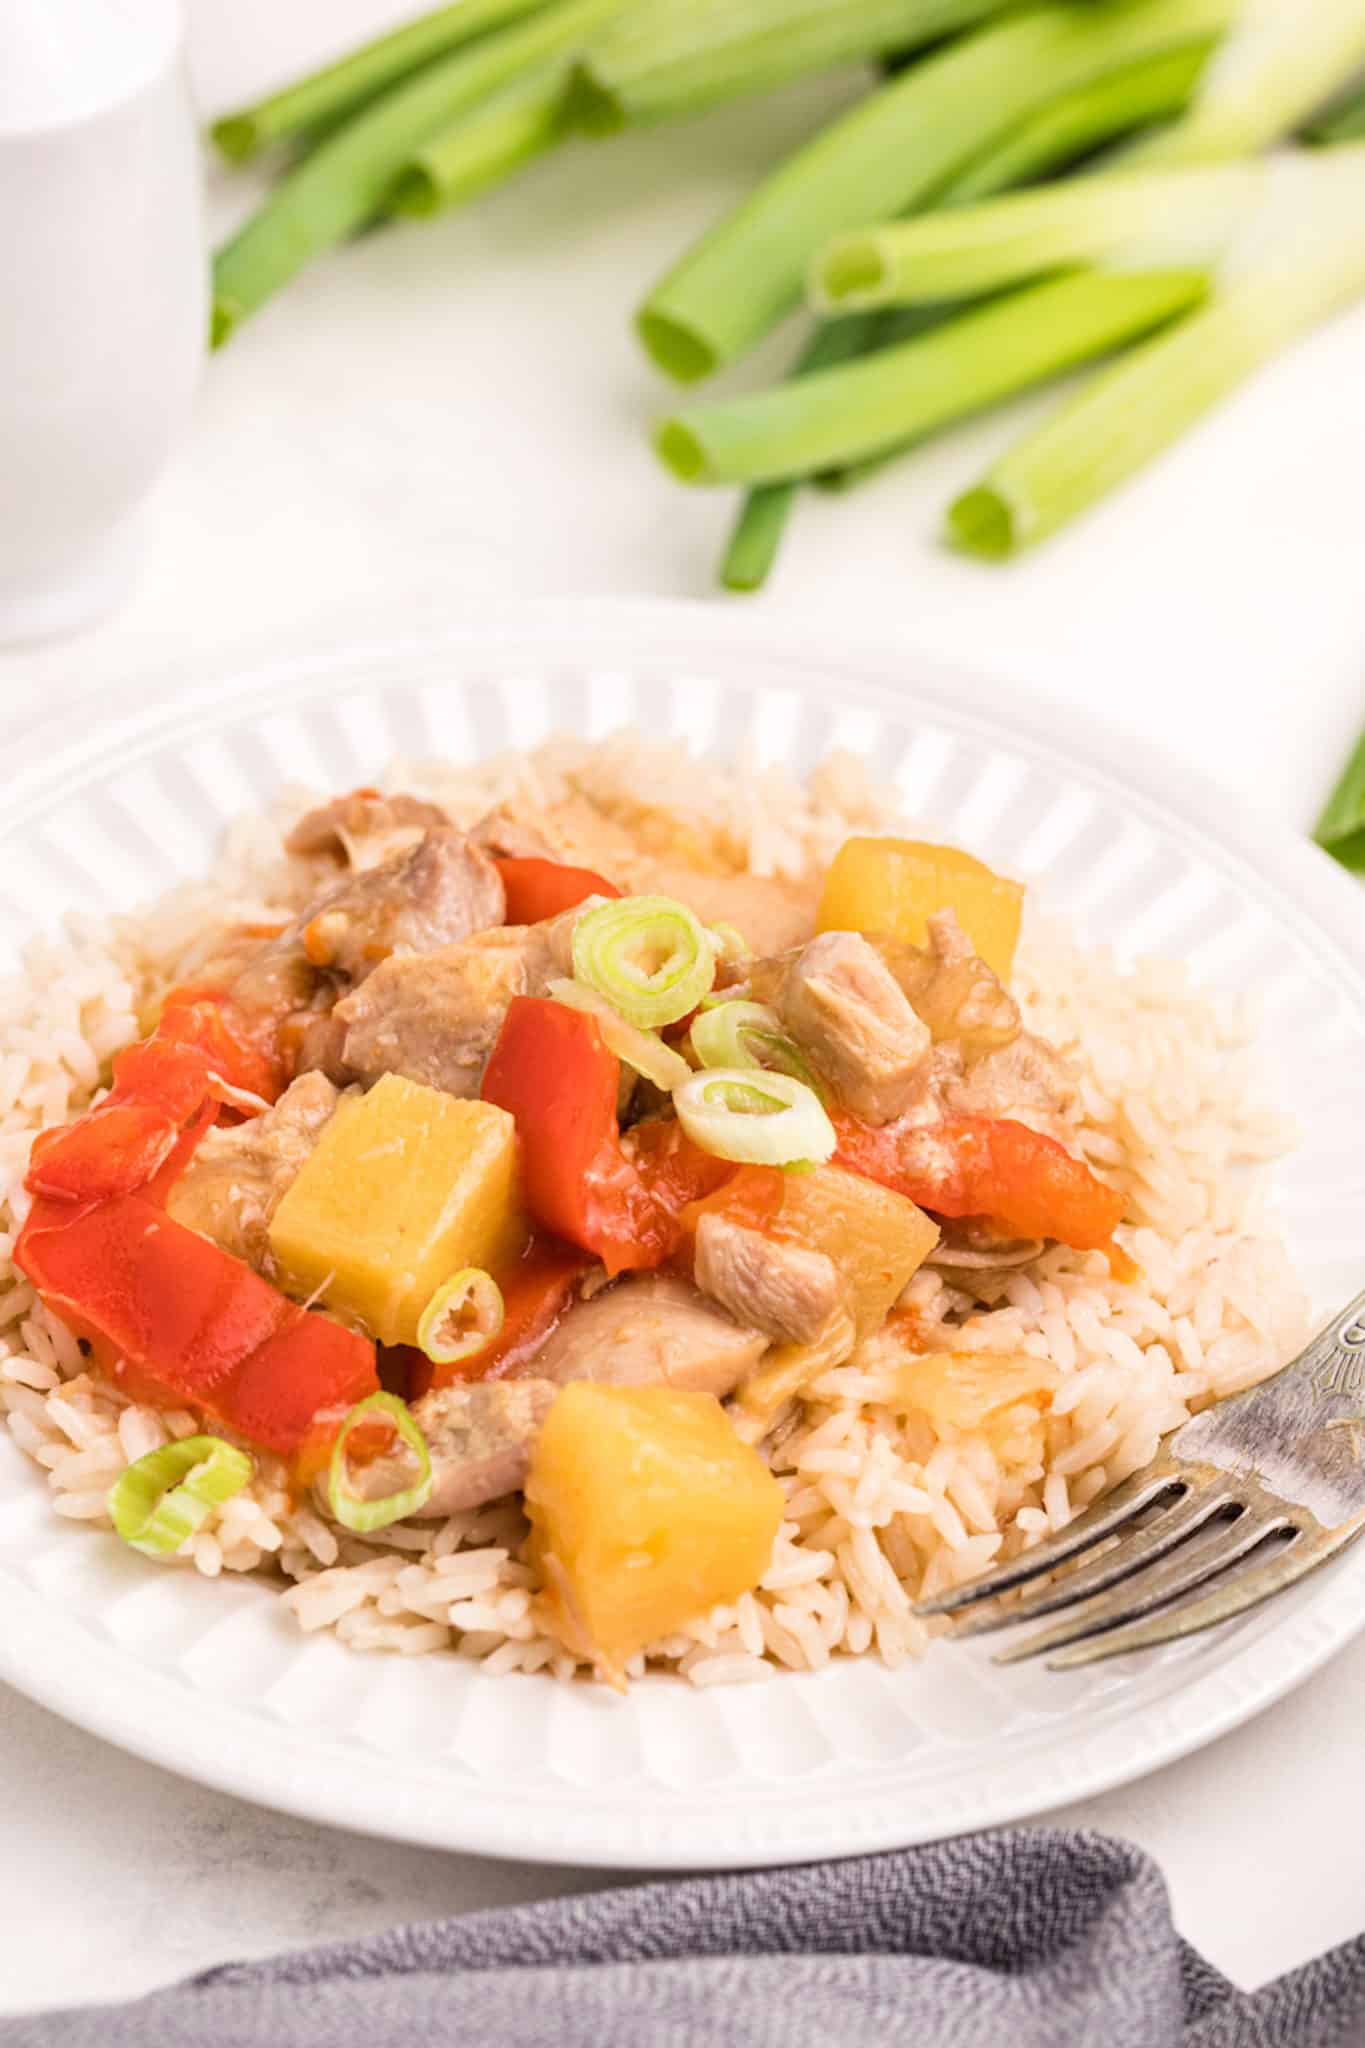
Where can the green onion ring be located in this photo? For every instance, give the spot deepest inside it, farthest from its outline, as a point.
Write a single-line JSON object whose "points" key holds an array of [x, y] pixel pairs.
{"points": [[743, 1034], [366, 1515], [164, 1496], [774, 1120], [649, 956], [470, 1293], [641, 1050]]}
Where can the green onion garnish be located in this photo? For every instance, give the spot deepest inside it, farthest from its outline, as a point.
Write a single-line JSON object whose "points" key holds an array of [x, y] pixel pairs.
{"points": [[775, 1121], [642, 1050], [649, 956], [462, 1318], [366, 1515], [163, 1497], [743, 1035]]}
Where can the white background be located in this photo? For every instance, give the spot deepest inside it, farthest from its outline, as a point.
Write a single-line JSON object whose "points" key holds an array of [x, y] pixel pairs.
{"points": [[451, 418]]}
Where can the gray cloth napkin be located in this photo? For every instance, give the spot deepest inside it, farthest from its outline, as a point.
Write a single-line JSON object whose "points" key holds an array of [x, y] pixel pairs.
{"points": [[1036, 1939]]}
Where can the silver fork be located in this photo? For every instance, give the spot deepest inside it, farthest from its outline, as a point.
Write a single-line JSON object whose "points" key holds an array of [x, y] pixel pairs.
{"points": [[1241, 1502]]}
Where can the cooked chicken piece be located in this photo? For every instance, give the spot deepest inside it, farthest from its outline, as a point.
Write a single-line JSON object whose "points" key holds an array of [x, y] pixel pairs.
{"points": [[441, 890], [771, 914], [436, 1017], [238, 1177], [507, 837], [841, 1003], [650, 1331], [788, 1291], [364, 828], [480, 1439], [1026, 1076], [956, 994]]}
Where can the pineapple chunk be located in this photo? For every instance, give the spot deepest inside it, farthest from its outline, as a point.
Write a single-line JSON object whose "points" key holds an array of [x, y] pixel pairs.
{"points": [[894, 886], [407, 1185], [877, 1238], [965, 1390], [646, 1511]]}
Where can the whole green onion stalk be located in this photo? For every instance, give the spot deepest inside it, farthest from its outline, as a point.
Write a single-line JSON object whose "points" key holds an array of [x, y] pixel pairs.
{"points": [[1152, 89], [486, 145], [668, 58], [890, 153], [325, 96], [907, 392], [1284, 59], [1299, 261], [347, 179]]}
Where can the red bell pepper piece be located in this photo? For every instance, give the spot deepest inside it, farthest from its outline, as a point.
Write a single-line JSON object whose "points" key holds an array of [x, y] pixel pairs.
{"points": [[551, 1070], [179, 1322], [1024, 1182], [537, 889]]}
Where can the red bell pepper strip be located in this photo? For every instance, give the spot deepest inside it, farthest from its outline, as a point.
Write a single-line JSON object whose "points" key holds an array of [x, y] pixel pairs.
{"points": [[551, 1070], [537, 889], [1027, 1184], [178, 1322], [167, 1090]]}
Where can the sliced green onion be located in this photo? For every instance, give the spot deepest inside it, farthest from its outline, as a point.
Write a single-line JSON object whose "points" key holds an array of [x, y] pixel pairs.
{"points": [[1311, 265], [339, 88], [163, 1497], [775, 1121], [1341, 828], [649, 956], [1280, 62], [485, 146], [365, 1515], [731, 945], [744, 1034], [346, 181], [462, 1318], [668, 58], [903, 393], [1143, 221], [890, 153], [1136, 96], [642, 1050]]}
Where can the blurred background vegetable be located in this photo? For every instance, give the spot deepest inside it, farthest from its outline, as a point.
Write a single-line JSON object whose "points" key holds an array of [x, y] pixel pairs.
{"points": [[1151, 232]]}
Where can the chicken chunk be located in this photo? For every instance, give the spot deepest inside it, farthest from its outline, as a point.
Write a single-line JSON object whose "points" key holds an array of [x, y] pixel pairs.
{"points": [[506, 836], [953, 991], [364, 828], [436, 1017], [1025, 1077], [788, 1291], [441, 890], [237, 1179], [772, 915], [841, 1002], [651, 1331], [479, 1437]]}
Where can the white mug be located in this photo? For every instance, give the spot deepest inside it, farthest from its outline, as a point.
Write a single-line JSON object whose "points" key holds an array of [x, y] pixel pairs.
{"points": [[103, 295]]}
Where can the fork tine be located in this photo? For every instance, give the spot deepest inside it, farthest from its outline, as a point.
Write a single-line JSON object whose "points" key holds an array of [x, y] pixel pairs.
{"points": [[1246, 1589], [1091, 1526], [1133, 1554], [1191, 1565]]}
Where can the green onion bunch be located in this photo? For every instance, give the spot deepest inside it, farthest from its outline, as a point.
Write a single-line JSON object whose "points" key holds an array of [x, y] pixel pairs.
{"points": [[1174, 189]]}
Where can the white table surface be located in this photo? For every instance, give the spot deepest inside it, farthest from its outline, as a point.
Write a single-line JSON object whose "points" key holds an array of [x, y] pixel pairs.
{"points": [[451, 418]]}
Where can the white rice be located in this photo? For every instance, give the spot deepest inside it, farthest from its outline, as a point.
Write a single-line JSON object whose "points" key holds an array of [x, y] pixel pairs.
{"points": [[882, 1507]]}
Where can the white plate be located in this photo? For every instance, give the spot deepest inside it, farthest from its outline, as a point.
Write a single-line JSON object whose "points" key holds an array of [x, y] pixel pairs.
{"points": [[213, 1681]]}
